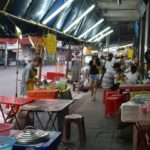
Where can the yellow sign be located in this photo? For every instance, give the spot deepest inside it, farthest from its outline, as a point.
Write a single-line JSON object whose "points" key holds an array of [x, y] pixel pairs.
{"points": [[130, 53], [89, 51], [50, 43]]}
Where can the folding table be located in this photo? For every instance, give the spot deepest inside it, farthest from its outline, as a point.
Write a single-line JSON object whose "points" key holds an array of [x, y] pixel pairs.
{"points": [[132, 113], [55, 110], [14, 103]]}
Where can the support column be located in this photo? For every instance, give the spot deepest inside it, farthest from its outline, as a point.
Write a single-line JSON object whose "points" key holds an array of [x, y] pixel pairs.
{"points": [[82, 55], [6, 56], [141, 46], [42, 56], [147, 33], [68, 59]]}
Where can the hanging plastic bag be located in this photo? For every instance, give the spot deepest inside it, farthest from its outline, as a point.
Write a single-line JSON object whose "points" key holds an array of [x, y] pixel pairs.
{"points": [[86, 83]]}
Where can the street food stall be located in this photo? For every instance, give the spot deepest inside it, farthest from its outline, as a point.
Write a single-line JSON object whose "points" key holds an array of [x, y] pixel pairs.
{"points": [[42, 100]]}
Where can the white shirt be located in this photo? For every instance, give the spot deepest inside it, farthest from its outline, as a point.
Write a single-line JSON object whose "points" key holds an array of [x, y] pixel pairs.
{"points": [[109, 64], [108, 79], [132, 78]]}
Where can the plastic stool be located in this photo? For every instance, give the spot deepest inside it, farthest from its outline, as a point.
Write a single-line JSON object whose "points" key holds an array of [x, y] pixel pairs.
{"points": [[79, 121]]}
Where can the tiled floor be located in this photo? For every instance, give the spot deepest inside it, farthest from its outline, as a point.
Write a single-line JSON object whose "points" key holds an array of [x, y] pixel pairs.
{"points": [[101, 132]]}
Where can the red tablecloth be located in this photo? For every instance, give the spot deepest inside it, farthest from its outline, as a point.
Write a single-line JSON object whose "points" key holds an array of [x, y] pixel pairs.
{"points": [[135, 87], [15, 101]]}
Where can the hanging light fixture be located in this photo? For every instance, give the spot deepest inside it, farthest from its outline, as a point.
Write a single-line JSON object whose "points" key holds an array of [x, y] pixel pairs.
{"points": [[18, 32], [57, 11], [90, 29], [80, 18], [99, 34], [104, 35]]}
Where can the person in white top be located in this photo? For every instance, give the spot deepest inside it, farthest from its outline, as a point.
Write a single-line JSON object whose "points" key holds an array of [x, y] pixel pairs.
{"points": [[26, 59], [132, 76], [110, 62]]}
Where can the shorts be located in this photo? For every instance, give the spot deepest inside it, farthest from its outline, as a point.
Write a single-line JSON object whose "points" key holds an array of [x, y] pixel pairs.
{"points": [[94, 77]]}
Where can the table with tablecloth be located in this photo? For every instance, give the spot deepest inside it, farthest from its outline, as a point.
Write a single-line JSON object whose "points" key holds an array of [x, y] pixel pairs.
{"points": [[132, 112], [135, 87], [15, 104]]}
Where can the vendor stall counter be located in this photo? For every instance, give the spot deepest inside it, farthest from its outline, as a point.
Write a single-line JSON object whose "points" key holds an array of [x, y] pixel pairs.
{"points": [[134, 113], [136, 87]]}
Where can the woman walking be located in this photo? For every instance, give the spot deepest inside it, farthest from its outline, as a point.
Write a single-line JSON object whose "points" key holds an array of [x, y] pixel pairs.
{"points": [[94, 71]]}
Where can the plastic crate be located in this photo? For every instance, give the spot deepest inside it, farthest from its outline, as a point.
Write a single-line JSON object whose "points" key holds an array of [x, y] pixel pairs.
{"points": [[107, 93], [43, 94], [54, 75], [113, 104]]}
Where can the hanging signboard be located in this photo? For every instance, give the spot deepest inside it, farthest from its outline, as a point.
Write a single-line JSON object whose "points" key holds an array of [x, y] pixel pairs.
{"points": [[130, 53], [50, 43]]}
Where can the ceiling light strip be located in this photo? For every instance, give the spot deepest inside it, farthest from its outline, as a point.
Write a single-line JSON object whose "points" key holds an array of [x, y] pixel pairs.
{"points": [[90, 29], [60, 9], [99, 34], [78, 19], [104, 35]]}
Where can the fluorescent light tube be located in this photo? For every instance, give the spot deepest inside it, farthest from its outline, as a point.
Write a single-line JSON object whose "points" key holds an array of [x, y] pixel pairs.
{"points": [[100, 33], [61, 8], [90, 29], [104, 35], [81, 17]]}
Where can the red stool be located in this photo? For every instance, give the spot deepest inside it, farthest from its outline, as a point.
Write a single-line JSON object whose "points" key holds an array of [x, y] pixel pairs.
{"points": [[79, 121], [113, 104]]}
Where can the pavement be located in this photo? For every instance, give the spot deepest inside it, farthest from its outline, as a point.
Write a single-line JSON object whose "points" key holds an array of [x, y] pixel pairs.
{"points": [[101, 132]]}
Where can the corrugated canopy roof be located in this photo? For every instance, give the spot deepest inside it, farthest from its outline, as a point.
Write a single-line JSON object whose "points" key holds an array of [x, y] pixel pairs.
{"points": [[39, 10]]}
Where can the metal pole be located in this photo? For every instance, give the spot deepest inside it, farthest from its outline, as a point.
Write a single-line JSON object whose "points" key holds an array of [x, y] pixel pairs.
{"points": [[6, 55], [17, 71], [6, 5], [82, 56], [141, 46], [67, 65], [41, 55]]}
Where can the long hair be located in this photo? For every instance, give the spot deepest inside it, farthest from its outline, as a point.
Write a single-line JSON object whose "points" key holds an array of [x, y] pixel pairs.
{"points": [[133, 69]]}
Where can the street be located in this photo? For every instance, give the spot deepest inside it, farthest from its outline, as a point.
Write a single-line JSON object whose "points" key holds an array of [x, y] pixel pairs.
{"points": [[8, 79]]}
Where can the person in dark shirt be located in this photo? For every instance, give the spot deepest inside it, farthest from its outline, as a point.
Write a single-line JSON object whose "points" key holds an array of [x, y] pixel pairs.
{"points": [[94, 71]]}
